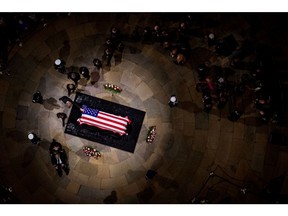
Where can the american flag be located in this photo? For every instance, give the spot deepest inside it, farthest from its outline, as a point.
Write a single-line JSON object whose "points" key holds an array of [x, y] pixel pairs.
{"points": [[103, 120]]}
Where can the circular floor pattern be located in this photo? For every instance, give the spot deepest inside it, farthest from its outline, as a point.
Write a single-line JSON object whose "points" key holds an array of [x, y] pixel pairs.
{"points": [[189, 143]]}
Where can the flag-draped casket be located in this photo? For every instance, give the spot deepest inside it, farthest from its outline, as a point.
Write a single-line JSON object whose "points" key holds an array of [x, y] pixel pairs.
{"points": [[104, 120]]}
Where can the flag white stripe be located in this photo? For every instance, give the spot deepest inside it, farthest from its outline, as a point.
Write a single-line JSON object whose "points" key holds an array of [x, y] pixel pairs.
{"points": [[93, 123], [98, 119], [117, 116], [113, 117]]}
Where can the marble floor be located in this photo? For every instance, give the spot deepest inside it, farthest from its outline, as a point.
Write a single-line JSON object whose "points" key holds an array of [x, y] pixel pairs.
{"points": [[196, 155]]}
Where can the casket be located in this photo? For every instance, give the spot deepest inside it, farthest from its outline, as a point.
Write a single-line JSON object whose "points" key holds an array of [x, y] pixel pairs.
{"points": [[103, 120]]}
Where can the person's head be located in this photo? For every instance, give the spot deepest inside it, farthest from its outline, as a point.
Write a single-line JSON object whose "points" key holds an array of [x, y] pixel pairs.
{"points": [[31, 136], [211, 36], [57, 156], [57, 62], [56, 147], [173, 98]]}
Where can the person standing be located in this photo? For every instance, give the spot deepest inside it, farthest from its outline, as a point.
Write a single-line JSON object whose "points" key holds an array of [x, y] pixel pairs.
{"points": [[84, 72], [62, 116], [74, 76], [59, 158], [59, 65], [108, 54], [97, 63], [66, 100], [173, 101], [150, 174], [71, 88], [34, 138], [37, 97]]}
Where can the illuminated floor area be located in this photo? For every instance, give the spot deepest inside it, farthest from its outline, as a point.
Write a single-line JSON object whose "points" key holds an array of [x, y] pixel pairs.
{"points": [[189, 145]]}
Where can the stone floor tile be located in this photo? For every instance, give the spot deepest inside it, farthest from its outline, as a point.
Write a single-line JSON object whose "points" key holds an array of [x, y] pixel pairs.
{"points": [[9, 116], [260, 144], [257, 162], [94, 182], [118, 169], [200, 140], [74, 144], [242, 168], [208, 159], [236, 151], [224, 147], [104, 171], [144, 91], [201, 121], [42, 196], [111, 158], [81, 179], [128, 190], [67, 197], [56, 40], [130, 80], [86, 168], [239, 129], [110, 183], [73, 187]]}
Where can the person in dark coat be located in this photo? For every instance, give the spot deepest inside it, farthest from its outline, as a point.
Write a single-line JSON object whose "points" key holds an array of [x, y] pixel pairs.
{"points": [[234, 115], [66, 100], [108, 54], [173, 101], [34, 138], [59, 65], [37, 97], [150, 174], [71, 88], [74, 76], [97, 63], [59, 158], [84, 72], [62, 116]]}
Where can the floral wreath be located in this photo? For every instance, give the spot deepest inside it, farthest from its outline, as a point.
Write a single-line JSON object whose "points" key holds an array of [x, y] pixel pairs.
{"points": [[91, 152], [151, 134], [112, 88]]}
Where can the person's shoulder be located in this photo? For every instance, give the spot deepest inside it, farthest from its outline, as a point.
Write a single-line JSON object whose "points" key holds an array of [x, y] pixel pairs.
{"points": [[64, 98]]}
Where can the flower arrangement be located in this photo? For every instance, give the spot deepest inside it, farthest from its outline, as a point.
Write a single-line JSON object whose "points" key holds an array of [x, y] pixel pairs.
{"points": [[91, 152], [112, 88], [151, 134]]}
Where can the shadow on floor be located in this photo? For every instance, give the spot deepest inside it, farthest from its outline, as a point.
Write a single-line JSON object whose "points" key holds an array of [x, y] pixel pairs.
{"points": [[29, 155], [111, 199], [51, 103]]}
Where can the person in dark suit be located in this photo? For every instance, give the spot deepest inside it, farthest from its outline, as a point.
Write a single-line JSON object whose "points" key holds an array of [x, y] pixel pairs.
{"points": [[66, 100], [62, 116], [97, 63], [59, 65], [84, 71], [37, 97], [173, 101], [71, 88], [74, 76], [34, 138], [59, 158]]}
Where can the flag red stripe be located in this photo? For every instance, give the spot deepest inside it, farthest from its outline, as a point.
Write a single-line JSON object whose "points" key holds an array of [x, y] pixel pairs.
{"points": [[116, 121], [105, 127], [115, 116], [95, 121], [104, 122]]}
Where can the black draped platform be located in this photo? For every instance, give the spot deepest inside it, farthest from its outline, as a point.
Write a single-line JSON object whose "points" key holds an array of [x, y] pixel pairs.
{"points": [[125, 142]]}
